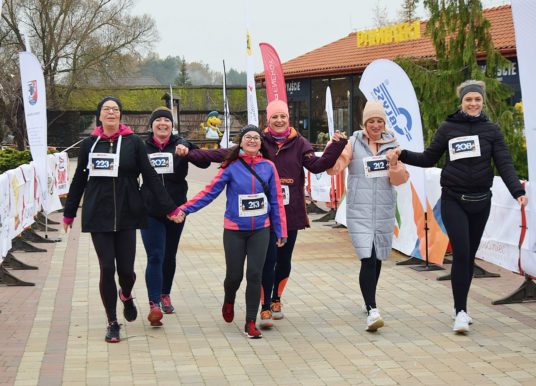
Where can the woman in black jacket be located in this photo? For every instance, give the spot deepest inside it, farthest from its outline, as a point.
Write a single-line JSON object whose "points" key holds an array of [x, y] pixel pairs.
{"points": [[109, 164], [161, 237], [471, 142]]}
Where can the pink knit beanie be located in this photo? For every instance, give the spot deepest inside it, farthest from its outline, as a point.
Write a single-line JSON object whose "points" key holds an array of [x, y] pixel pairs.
{"points": [[274, 107]]}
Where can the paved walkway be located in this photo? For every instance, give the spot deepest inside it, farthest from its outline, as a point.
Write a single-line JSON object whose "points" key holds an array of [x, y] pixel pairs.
{"points": [[53, 333]]}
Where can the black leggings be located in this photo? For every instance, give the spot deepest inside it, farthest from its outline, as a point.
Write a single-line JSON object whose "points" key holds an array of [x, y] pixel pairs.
{"points": [[465, 227], [115, 248], [238, 245], [369, 275]]}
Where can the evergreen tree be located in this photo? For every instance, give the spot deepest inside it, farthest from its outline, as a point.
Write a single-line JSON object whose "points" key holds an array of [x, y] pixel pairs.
{"points": [[408, 10], [461, 38], [183, 78]]}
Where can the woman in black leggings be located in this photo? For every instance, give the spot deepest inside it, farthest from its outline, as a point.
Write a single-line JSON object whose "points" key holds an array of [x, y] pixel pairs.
{"points": [[471, 142], [109, 164]]}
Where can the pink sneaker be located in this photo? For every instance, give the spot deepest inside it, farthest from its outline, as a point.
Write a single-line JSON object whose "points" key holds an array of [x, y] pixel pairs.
{"points": [[165, 301], [155, 315]]}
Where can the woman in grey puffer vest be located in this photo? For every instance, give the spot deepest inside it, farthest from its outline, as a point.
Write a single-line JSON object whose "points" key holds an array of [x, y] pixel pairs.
{"points": [[371, 199]]}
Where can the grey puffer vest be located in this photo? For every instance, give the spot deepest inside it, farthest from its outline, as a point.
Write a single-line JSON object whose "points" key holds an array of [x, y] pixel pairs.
{"points": [[371, 202]]}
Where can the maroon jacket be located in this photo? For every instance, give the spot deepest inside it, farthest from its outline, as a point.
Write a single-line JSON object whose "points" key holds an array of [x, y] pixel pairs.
{"points": [[289, 159]]}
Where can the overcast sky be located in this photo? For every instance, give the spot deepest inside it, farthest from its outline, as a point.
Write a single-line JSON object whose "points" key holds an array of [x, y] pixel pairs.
{"points": [[214, 30]]}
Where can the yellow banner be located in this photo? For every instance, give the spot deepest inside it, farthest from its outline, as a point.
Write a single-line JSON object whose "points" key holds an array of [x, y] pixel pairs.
{"points": [[390, 34]]}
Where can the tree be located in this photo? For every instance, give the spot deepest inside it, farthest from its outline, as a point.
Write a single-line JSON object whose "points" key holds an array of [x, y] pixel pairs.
{"points": [[183, 79], [381, 15], [462, 41], [235, 78], [408, 10], [164, 70], [201, 75], [75, 39]]}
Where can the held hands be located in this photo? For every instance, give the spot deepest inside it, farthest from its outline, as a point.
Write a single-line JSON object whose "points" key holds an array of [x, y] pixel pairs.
{"points": [[281, 241], [178, 218], [338, 135], [392, 156], [523, 200], [181, 150]]}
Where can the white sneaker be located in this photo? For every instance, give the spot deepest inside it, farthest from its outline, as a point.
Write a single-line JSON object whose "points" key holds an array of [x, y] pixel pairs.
{"points": [[461, 323], [374, 320], [469, 319]]}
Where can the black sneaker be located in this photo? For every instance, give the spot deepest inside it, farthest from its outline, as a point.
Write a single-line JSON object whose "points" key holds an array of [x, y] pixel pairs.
{"points": [[129, 311], [112, 333]]}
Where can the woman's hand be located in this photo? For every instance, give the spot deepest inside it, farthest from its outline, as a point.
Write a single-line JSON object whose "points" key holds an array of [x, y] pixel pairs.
{"points": [[67, 223], [337, 136], [281, 241], [523, 200], [392, 156], [181, 150]]}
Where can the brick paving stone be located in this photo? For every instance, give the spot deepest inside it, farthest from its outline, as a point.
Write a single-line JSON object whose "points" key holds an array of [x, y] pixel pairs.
{"points": [[53, 333]]}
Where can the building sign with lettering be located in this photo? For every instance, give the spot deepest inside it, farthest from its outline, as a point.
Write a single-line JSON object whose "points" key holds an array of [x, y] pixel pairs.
{"points": [[298, 90], [389, 34], [508, 75]]}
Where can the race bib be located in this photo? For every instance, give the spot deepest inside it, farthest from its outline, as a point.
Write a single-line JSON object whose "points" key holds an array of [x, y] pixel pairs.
{"points": [[162, 162], [376, 166], [103, 164], [286, 194], [464, 147], [251, 205]]}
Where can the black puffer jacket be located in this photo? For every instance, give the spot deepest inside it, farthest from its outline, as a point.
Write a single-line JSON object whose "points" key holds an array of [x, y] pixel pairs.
{"points": [[115, 203], [469, 175], [175, 183]]}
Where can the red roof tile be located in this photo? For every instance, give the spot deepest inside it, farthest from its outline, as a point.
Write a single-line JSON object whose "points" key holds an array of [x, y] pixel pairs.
{"points": [[344, 57]]}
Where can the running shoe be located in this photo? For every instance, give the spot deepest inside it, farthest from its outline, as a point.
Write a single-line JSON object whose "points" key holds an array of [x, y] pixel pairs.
{"points": [[112, 333], [277, 313], [129, 311], [461, 323], [167, 307], [251, 330], [155, 315], [469, 319], [227, 312], [266, 319], [374, 320]]}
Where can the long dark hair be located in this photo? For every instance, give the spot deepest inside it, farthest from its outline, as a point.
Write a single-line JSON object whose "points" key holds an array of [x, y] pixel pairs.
{"points": [[235, 152]]}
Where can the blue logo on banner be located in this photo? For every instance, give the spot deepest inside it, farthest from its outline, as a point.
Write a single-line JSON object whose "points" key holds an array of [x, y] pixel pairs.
{"points": [[32, 92], [399, 118]]}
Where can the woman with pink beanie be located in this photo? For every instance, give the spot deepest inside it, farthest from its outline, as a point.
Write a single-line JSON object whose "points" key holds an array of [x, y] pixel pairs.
{"points": [[290, 152]]}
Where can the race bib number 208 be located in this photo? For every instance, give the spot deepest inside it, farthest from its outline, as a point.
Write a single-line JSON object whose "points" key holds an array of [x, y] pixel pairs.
{"points": [[464, 147]]}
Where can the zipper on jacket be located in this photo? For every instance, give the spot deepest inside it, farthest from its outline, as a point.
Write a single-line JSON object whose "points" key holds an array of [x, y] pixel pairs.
{"points": [[252, 191], [113, 187]]}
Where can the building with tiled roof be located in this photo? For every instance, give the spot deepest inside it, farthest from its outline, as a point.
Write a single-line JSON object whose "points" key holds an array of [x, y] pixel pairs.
{"points": [[341, 63]]}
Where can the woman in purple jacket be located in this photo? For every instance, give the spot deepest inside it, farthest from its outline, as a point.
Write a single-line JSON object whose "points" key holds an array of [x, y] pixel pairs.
{"points": [[254, 204], [290, 152]]}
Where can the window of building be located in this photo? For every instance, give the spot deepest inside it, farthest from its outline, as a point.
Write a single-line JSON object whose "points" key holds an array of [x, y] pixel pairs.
{"points": [[358, 104], [340, 96]]}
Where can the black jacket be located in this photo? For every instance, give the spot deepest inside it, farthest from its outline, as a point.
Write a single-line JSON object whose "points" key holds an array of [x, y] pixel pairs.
{"points": [[115, 203], [175, 183], [469, 175]]}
